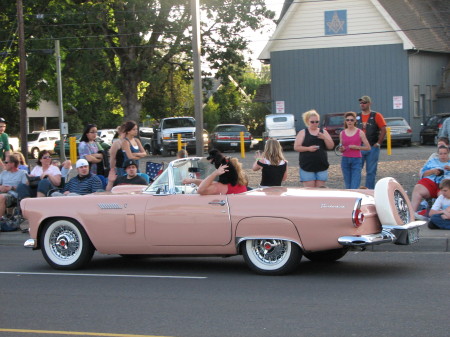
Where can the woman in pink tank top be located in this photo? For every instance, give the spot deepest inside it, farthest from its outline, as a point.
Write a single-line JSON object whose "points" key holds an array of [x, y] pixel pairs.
{"points": [[351, 139]]}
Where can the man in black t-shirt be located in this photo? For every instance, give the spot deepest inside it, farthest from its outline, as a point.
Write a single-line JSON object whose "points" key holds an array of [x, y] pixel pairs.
{"points": [[132, 177]]}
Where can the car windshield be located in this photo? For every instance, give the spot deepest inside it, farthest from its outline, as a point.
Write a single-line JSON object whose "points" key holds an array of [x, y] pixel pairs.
{"points": [[396, 122], [433, 121], [170, 181], [178, 123], [336, 121], [230, 128], [31, 137]]}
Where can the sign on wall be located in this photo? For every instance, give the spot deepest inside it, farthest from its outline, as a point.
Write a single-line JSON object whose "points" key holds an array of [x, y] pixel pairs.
{"points": [[279, 107], [336, 22], [398, 102]]}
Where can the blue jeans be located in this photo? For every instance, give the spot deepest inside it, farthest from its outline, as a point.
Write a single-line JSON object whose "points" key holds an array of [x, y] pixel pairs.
{"points": [[370, 158], [441, 223], [351, 170]]}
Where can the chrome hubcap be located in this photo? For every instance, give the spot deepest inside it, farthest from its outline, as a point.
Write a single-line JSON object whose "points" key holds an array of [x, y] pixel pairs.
{"points": [[401, 206], [64, 242], [270, 251]]}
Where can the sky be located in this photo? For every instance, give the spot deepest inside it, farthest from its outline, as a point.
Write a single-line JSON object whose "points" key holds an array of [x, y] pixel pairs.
{"points": [[260, 38]]}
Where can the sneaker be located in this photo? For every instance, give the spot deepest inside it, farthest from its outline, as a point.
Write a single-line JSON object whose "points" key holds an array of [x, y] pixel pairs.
{"points": [[420, 217], [431, 225]]}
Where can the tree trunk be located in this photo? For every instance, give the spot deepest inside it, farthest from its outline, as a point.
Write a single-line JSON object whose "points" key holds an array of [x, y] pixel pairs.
{"points": [[129, 99]]}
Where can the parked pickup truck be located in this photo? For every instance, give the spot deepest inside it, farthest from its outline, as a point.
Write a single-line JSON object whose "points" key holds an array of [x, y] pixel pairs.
{"points": [[280, 127], [165, 136]]}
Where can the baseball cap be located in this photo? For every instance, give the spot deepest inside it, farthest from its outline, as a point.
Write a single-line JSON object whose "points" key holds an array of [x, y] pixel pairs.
{"points": [[81, 162], [129, 162], [2, 120], [365, 99]]}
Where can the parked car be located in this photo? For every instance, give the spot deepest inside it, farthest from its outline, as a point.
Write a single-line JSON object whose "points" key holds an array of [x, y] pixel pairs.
{"points": [[280, 127], [272, 227], [42, 140], [105, 146], [145, 136], [430, 130], [228, 137], [106, 135], [334, 124], [401, 132]]}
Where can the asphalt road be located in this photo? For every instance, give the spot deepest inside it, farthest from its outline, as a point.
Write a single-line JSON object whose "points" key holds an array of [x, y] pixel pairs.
{"points": [[365, 294]]}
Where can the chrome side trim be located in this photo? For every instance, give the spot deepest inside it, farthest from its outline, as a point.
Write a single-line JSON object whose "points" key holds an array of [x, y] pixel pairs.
{"points": [[239, 240], [30, 243]]}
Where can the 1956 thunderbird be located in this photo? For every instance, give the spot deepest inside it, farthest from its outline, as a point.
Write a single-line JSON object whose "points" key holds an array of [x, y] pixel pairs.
{"points": [[271, 227]]}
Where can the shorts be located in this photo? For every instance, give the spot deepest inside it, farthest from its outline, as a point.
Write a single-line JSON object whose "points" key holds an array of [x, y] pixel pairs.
{"points": [[431, 186], [10, 200], [312, 176]]}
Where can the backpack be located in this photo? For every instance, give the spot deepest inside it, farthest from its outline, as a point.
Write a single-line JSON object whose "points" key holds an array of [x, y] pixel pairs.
{"points": [[9, 224]]}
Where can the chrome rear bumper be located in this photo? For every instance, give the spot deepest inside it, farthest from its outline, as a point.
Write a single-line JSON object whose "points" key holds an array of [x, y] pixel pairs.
{"points": [[399, 235]]}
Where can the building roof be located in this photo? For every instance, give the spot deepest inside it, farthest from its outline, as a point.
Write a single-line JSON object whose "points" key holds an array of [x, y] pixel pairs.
{"points": [[420, 24], [425, 22]]}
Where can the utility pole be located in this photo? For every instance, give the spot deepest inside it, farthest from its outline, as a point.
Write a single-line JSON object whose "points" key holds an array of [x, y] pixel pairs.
{"points": [[63, 126], [22, 81], [197, 77]]}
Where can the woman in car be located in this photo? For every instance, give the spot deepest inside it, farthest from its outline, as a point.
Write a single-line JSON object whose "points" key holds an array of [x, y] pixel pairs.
{"points": [[231, 184]]}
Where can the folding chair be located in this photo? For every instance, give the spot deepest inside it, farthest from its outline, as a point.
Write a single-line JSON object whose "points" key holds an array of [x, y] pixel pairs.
{"points": [[153, 170]]}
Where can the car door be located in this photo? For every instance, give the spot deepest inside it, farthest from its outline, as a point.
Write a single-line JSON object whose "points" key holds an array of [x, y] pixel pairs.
{"points": [[187, 220]]}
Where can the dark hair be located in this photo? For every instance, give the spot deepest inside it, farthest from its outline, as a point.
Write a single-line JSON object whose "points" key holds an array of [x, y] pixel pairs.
{"points": [[443, 147], [128, 126], [443, 139], [217, 158], [41, 154], [86, 130]]}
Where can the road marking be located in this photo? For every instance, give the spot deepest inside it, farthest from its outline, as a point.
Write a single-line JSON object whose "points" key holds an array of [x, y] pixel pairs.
{"points": [[76, 333], [107, 275]]}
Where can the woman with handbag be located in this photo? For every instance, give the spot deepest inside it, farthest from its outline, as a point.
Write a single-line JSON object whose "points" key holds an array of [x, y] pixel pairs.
{"points": [[43, 178]]}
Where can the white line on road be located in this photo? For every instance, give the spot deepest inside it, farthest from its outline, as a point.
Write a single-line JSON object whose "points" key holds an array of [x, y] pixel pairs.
{"points": [[106, 275]]}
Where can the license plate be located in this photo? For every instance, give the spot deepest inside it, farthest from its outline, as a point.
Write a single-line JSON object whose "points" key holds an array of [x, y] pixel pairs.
{"points": [[234, 144], [413, 235]]}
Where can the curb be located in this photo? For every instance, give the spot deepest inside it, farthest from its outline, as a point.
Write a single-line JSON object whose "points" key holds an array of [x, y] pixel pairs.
{"points": [[428, 242]]}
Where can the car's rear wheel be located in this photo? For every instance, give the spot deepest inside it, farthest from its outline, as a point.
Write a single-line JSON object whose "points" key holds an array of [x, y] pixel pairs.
{"points": [[326, 255], [392, 203], [271, 256], [65, 245]]}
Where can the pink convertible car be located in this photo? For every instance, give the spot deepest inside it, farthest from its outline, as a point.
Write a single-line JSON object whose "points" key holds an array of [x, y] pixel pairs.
{"points": [[271, 227]]}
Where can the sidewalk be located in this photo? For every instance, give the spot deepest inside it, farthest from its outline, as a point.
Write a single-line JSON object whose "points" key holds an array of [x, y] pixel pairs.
{"points": [[430, 241]]}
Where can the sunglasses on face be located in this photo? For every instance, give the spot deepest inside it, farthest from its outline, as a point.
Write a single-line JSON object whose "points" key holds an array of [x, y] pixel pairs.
{"points": [[46, 157], [6, 162], [362, 102], [314, 122], [349, 120]]}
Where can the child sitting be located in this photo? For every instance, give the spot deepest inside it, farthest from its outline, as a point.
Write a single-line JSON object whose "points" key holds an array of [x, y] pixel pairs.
{"points": [[440, 212]]}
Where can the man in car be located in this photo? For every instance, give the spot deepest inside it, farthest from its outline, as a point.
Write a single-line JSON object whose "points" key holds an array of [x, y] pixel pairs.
{"points": [[10, 178], [5, 149], [82, 184], [132, 177], [374, 126]]}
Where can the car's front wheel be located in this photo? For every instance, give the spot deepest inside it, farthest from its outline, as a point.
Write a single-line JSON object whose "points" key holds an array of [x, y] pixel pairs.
{"points": [[65, 245], [271, 256]]}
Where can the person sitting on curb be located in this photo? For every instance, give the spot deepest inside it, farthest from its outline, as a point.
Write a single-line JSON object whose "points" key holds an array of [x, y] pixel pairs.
{"points": [[82, 184], [433, 172], [440, 211], [10, 178], [132, 177]]}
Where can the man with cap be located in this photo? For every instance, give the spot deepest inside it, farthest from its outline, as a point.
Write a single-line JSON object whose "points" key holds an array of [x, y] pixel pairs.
{"points": [[132, 177], [84, 183], [10, 178], [5, 149], [374, 126]]}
